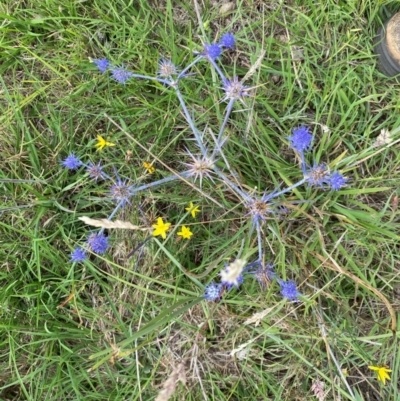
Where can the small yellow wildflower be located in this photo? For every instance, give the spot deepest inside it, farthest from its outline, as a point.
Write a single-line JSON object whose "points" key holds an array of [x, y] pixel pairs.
{"points": [[192, 209], [382, 373], [102, 143], [160, 228], [185, 232], [150, 169]]}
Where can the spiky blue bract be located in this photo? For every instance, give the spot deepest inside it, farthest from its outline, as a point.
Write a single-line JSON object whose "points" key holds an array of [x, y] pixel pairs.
{"points": [[102, 64], [318, 175], [98, 243], [121, 74], [78, 255], [289, 290], [300, 139], [212, 51], [264, 274], [227, 40], [71, 162], [213, 291], [95, 171], [337, 181], [260, 208], [166, 68], [121, 192], [234, 89]]}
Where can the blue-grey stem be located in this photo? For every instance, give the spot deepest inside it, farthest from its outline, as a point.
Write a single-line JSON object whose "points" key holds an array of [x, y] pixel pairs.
{"points": [[215, 65], [134, 190], [229, 183], [303, 163], [228, 111], [190, 122], [163, 81], [114, 212], [276, 194], [260, 252], [195, 61]]}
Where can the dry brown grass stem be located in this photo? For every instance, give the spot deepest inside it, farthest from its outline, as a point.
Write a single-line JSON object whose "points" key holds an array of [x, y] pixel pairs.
{"points": [[169, 386]]}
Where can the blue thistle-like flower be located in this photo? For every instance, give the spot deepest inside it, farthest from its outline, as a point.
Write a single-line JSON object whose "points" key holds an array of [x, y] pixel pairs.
{"points": [[166, 68], [120, 191], [78, 255], [71, 162], [213, 291], [227, 40], [337, 181], [102, 64], [200, 167], [98, 243], [212, 51], [95, 171], [318, 175], [264, 274], [300, 139], [289, 290], [121, 74], [234, 89], [260, 208]]}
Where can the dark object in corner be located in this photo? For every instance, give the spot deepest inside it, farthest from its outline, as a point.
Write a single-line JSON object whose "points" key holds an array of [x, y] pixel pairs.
{"points": [[387, 46]]}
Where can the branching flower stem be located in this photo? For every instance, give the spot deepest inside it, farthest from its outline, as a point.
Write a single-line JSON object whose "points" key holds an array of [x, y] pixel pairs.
{"points": [[219, 71], [194, 62], [297, 184], [228, 111], [140, 76], [191, 123], [114, 212], [134, 190], [229, 183], [260, 252]]}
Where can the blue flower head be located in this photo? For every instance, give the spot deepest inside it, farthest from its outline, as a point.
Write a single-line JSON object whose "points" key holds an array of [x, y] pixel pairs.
{"points": [[337, 181], [317, 175], [98, 243], [78, 255], [71, 162], [120, 192], [102, 64], [264, 274], [213, 291], [212, 51], [289, 290], [300, 139], [95, 171], [227, 40], [166, 68], [121, 74], [260, 208], [234, 89]]}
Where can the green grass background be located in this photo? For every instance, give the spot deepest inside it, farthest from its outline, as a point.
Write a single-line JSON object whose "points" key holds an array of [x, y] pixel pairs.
{"points": [[131, 321]]}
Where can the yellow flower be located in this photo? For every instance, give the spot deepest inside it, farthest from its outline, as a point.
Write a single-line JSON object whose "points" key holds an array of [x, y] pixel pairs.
{"points": [[192, 209], [101, 143], [160, 228], [185, 232], [150, 169], [382, 373]]}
